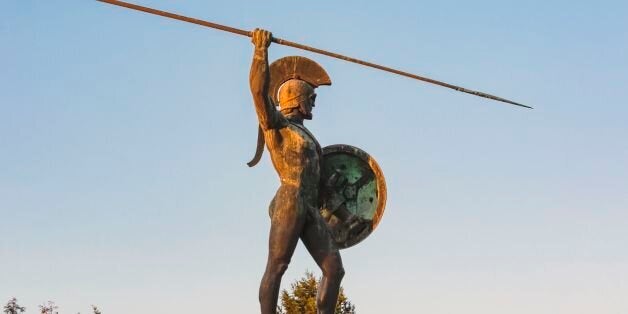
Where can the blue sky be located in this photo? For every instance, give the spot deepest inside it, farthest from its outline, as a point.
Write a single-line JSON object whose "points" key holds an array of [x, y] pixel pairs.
{"points": [[124, 137]]}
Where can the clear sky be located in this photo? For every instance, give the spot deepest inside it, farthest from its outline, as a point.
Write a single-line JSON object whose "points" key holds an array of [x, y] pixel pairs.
{"points": [[124, 137]]}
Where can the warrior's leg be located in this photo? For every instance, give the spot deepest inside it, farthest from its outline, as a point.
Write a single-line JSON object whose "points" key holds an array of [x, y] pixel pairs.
{"points": [[318, 242], [287, 221]]}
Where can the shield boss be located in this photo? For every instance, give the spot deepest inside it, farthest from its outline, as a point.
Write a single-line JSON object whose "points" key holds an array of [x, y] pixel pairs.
{"points": [[358, 186]]}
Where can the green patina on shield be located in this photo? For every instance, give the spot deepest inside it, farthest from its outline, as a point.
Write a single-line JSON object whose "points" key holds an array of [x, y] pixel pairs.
{"points": [[353, 168], [362, 192]]}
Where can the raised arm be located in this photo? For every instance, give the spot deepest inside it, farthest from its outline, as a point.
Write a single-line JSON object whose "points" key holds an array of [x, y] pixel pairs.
{"points": [[259, 79]]}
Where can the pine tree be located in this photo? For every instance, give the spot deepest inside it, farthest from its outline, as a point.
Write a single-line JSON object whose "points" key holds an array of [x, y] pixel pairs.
{"points": [[302, 298], [48, 308], [13, 308]]}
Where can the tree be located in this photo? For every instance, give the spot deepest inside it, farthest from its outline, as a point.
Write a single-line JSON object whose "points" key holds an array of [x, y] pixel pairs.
{"points": [[96, 310], [302, 298], [13, 308], [48, 308]]}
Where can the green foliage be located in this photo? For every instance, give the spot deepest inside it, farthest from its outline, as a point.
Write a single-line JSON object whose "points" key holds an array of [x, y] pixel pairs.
{"points": [[13, 308], [49, 308], [302, 298]]}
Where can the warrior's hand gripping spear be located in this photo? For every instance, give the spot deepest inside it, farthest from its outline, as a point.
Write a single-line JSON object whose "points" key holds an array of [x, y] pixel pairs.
{"points": [[312, 49]]}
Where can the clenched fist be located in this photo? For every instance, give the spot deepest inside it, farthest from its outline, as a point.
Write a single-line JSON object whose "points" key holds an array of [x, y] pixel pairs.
{"points": [[261, 38]]}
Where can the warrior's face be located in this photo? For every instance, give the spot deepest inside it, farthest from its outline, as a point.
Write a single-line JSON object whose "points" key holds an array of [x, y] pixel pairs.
{"points": [[297, 94], [307, 105]]}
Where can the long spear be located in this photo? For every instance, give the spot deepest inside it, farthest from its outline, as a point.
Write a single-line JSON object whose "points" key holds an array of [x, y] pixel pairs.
{"points": [[304, 47]]}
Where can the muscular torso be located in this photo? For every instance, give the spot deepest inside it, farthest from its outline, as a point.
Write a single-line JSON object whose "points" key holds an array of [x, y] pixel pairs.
{"points": [[295, 154]]}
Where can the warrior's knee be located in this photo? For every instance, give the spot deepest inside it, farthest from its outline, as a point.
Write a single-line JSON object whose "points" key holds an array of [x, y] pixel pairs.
{"points": [[278, 268], [340, 272], [334, 271]]}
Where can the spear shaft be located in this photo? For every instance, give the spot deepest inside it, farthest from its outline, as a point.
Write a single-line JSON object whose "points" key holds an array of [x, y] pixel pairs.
{"points": [[308, 48]]}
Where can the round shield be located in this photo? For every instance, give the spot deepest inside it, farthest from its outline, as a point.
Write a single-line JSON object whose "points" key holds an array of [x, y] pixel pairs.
{"points": [[353, 193]]}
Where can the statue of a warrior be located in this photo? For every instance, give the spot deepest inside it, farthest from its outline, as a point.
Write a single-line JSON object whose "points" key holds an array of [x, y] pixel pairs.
{"points": [[328, 206]]}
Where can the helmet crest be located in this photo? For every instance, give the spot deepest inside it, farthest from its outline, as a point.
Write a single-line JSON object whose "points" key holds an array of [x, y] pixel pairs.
{"points": [[295, 67]]}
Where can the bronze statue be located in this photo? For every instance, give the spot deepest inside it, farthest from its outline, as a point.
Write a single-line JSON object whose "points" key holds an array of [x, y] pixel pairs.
{"points": [[330, 198], [296, 156]]}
